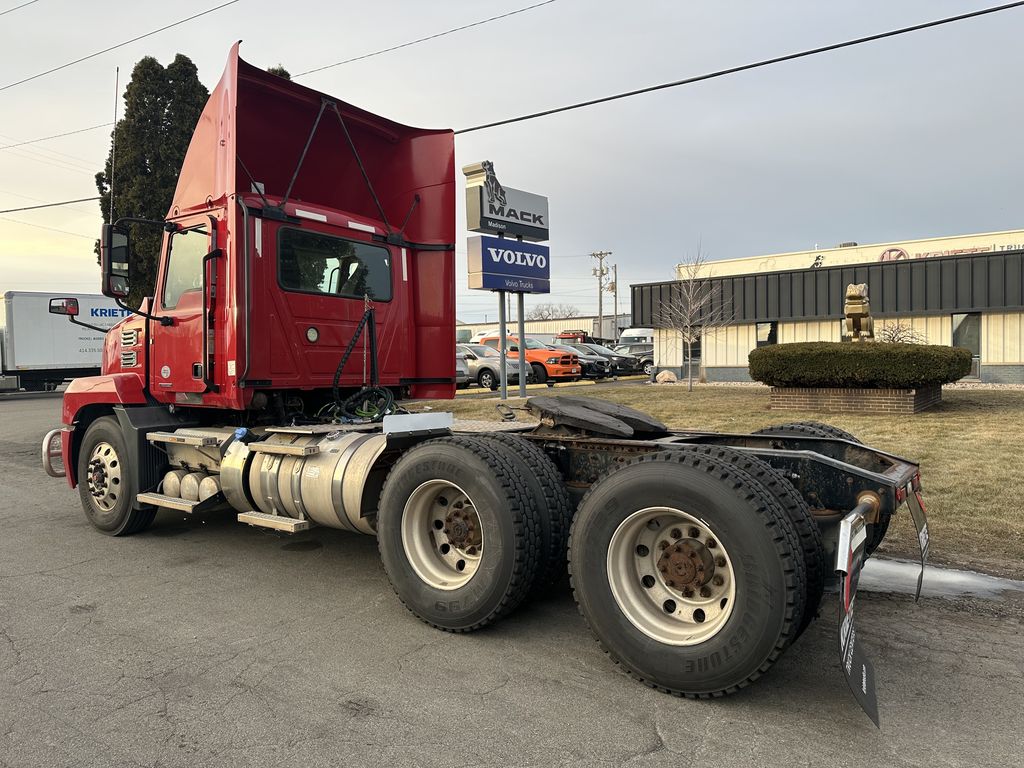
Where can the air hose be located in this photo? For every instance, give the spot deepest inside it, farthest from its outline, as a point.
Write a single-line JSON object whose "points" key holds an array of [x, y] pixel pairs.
{"points": [[372, 402]]}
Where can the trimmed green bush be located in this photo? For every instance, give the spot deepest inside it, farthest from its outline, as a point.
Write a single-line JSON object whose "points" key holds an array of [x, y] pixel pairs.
{"points": [[867, 364]]}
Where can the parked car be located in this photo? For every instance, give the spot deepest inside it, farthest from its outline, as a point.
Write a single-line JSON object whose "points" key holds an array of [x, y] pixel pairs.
{"points": [[485, 366], [462, 377], [644, 353], [548, 365], [594, 366], [622, 364]]}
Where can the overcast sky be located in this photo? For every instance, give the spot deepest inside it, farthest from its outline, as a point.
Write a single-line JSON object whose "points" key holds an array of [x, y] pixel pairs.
{"points": [[912, 137]]}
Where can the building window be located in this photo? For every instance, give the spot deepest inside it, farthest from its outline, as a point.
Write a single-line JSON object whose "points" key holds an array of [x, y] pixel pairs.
{"points": [[767, 333], [967, 332], [312, 262]]}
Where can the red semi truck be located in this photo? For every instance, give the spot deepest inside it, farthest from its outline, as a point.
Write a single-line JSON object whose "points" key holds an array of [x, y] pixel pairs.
{"points": [[306, 283]]}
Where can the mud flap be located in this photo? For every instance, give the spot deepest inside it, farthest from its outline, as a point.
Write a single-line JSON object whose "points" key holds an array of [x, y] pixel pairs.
{"points": [[859, 672], [917, 512]]}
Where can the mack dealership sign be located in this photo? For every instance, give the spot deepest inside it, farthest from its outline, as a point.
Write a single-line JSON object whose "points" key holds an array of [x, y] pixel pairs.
{"points": [[500, 264], [506, 263], [500, 210]]}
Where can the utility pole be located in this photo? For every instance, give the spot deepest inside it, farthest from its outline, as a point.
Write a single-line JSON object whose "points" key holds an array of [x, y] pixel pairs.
{"points": [[600, 272], [615, 289]]}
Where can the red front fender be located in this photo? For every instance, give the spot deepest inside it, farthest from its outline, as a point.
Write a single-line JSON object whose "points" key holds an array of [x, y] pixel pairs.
{"points": [[88, 397]]}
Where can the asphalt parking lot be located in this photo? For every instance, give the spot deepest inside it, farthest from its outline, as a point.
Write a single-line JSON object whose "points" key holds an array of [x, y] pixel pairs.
{"points": [[203, 642]]}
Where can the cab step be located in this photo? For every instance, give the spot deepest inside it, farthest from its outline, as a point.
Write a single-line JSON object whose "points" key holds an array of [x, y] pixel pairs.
{"points": [[199, 441], [181, 505], [274, 522]]}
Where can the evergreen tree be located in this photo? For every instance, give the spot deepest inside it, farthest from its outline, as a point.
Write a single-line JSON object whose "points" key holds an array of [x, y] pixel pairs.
{"points": [[280, 72], [162, 107]]}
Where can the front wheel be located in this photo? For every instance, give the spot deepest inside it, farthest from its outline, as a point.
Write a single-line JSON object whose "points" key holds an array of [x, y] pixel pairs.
{"points": [[540, 373], [688, 572], [487, 379], [648, 369], [106, 483]]}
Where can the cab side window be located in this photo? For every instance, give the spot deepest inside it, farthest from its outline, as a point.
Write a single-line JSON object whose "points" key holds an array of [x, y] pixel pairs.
{"points": [[185, 251]]}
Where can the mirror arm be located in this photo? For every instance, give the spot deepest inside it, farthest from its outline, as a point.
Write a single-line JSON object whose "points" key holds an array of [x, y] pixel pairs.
{"points": [[167, 226], [71, 318], [162, 319]]}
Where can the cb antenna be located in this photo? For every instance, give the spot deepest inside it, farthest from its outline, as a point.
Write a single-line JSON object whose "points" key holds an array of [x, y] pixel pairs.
{"points": [[113, 141]]}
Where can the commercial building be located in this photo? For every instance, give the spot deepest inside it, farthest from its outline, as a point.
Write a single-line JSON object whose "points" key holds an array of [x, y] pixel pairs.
{"points": [[965, 291], [612, 326]]}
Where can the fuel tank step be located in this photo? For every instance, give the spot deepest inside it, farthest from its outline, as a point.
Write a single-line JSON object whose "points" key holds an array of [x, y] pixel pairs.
{"points": [[179, 504], [275, 522]]}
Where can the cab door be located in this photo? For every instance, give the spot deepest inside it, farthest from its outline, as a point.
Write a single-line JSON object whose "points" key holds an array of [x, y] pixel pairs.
{"points": [[181, 351]]}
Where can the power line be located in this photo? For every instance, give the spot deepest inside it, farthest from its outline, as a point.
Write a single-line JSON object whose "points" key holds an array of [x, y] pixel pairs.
{"points": [[745, 67], [55, 136], [12, 10], [424, 39], [40, 226], [119, 45], [49, 205]]}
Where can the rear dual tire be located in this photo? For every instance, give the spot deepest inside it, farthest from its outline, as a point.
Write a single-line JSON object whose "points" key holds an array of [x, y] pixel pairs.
{"points": [[656, 631], [427, 547], [876, 531]]}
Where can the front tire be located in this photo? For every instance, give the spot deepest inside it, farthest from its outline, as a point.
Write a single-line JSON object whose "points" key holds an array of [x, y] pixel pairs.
{"points": [[648, 369], [106, 482], [540, 373], [688, 572], [487, 379], [458, 534]]}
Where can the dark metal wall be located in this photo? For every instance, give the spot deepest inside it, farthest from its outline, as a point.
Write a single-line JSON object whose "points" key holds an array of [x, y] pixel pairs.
{"points": [[984, 282]]}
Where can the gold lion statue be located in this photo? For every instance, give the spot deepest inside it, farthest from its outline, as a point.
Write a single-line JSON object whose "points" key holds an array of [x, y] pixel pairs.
{"points": [[859, 324]]}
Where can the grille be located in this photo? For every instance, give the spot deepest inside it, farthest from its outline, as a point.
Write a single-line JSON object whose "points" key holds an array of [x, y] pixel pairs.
{"points": [[129, 337], [129, 359], [569, 360]]}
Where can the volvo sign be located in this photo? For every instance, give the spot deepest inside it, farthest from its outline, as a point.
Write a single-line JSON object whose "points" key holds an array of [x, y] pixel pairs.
{"points": [[499, 264], [500, 210]]}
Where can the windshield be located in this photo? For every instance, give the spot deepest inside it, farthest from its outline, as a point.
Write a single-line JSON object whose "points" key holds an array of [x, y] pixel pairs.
{"points": [[481, 351], [565, 348], [634, 339], [601, 350], [534, 344]]}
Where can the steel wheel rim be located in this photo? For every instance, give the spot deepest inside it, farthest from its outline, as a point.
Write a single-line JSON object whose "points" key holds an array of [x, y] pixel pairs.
{"points": [[645, 554], [448, 555], [103, 476]]}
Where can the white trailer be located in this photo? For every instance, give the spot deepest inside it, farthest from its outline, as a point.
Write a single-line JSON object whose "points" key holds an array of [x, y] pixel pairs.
{"points": [[39, 350]]}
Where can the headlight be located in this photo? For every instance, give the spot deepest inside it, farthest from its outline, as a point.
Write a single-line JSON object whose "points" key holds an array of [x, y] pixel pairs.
{"points": [[552, 360]]}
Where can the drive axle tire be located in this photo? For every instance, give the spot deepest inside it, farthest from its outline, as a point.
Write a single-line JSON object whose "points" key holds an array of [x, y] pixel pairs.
{"points": [[688, 572], [808, 429], [551, 499], [811, 543], [876, 531], [106, 484], [459, 535]]}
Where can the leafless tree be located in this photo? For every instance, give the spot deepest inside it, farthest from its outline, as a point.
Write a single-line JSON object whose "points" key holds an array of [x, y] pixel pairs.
{"points": [[552, 312], [695, 309], [900, 333]]}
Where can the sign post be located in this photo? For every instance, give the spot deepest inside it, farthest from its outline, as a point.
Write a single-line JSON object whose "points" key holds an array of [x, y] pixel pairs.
{"points": [[502, 265]]}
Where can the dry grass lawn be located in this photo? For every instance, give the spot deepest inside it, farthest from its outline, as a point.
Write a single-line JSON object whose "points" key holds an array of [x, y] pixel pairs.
{"points": [[970, 450]]}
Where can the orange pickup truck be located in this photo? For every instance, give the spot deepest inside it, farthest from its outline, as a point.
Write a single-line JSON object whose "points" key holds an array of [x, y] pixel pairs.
{"points": [[549, 365]]}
